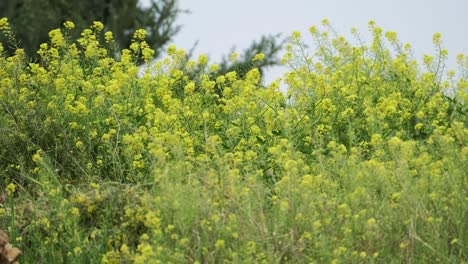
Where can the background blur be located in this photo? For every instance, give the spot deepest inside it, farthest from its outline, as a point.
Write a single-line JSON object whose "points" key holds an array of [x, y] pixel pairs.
{"points": [[251, 26], [220, 24]]}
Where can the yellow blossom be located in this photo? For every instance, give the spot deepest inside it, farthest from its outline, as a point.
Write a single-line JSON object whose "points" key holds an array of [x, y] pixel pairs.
{"points": [[436, 38], [231, 76], [313, 30], [98, 26], [233, 56], [189, 88], [69, 25], [140, 34], [124, 249], [37, 157], [4, 25], [219, 244], [10, 189], [77, 250], [371, 222], [202, 60], [259, 57], [391, 36], [108, 36], [214, 68], [284, 205], [75, 211], [296, 35], [56, 38]]}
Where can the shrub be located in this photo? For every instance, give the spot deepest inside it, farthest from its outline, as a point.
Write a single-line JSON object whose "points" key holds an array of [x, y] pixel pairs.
{"points": [[362, 159]]}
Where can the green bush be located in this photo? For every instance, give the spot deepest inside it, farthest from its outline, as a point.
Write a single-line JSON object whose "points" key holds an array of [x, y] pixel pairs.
{"points": [[362, 159]]}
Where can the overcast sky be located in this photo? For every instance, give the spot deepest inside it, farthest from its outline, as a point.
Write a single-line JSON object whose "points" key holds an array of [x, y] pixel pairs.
{"points": [[220, 24]]}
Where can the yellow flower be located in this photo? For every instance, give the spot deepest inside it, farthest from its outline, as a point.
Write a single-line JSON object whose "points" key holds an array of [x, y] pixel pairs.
{"points": [[404, 244], [79, 144], [231, 76], [233, 57], [146, 252], [69, 25], [77, 250], [251, 247], [94, 234], [202, 60], [140, 34], [340, 251], [460, 58], [296, 35], [171, 50], [44, 222], [135, 47], [10, 189], [391, 36], [214, 68], [56, 38], [284, 205], [144, 237], [253, 76], [189, 88], [124, 249], [108, 36], [407, 46], [98, 26], [220, 79], [147, 53], [427, 59], [220, 244], [75, 211], [313, 30], [436, 38], [259, 57], [4, 25]]}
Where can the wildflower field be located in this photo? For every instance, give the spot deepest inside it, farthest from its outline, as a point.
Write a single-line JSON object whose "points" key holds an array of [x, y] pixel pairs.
{"points": [[363, 159]]}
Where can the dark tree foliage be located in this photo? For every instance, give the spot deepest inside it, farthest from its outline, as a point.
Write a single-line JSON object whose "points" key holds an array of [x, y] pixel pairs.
{"points": [[269, 45], [31, 20]]}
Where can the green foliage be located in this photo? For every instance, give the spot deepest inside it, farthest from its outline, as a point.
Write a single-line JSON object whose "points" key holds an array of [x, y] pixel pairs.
{"points": [[269, 46], [362, 160], [32, 20]]}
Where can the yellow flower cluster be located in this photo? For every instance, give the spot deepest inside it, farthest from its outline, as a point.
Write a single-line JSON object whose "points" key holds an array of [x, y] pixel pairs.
{"points": [[167, 166], [4, 25]]}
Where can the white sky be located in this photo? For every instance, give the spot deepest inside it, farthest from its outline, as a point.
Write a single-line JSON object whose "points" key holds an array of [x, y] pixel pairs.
{"points": [[220, 24]]}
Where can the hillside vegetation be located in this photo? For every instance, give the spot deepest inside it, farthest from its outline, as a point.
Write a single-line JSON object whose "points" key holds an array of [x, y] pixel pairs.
{"points": [[363, 159]]}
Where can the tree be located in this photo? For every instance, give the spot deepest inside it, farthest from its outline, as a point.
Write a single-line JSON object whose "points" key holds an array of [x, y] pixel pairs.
{"points": [[31, 20], [269, 46]]}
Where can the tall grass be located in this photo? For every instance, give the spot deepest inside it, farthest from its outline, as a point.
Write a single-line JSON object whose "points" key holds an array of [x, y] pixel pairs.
{"points": [[363, 160]]}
